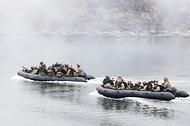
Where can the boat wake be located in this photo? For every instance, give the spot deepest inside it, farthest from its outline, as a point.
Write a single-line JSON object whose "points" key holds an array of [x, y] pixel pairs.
{"points": [[96, 94], [17, 77], [97, 81]]}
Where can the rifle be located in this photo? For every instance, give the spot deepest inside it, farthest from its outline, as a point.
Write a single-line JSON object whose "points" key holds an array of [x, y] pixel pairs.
{"points": [[71, 64], [24, 67]]}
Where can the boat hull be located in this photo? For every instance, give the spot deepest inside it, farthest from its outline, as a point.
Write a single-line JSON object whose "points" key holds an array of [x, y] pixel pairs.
{"points": [[135, 93], [37, 77], [87, 77], [181, 93]]}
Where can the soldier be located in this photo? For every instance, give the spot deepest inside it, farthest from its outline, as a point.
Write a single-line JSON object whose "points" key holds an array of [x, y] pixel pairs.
{"points": [[108, 83], [121, 84], [70, 71], [118, 81], [150, 85], [42, 64], [42, 68], [156, 86], [130, 84], [136, 86], [166, 83], [51, 70], [144, 86], [61, 71], [27, 70], [56, 66], [79, 69], [34, 70]]}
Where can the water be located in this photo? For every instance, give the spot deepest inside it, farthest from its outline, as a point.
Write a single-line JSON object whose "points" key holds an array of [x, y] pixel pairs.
{"points": [[24, 102]]}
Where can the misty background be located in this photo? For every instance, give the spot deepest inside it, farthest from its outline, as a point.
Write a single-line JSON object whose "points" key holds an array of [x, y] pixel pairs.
{"points": [[96, 17], [103, 37]]}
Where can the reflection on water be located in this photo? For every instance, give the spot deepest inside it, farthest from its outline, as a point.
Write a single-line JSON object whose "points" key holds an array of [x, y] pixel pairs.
{"points": [[73, 93], [152, 111], [69, 104], [136, 107], [62, 91], [111, 104]]}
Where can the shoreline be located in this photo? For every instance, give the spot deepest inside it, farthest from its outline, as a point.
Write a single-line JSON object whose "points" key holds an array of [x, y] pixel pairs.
{"points": [[111, 34]]}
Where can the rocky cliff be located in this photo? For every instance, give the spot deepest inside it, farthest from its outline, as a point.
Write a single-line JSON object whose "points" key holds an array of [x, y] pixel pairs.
{"points": [[101, 17]]}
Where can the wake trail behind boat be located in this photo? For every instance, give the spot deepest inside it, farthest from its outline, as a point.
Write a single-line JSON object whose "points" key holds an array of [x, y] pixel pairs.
{"points": [[95, 93], [17, 77]]}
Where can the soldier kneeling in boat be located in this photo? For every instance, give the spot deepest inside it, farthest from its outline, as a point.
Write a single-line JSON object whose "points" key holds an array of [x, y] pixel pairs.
{"points": [[166, 83], [156, 86], [146, 86], [79, 69], [42, 68], [108, 83], [70, 71], [137, 86], [130, 84], [51, 70], [24, 69], [42, 64], [61, 71], [34, 70], [121, 84]]}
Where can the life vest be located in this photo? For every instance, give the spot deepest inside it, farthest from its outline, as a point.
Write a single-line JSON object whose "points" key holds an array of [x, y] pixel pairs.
{"points": [[60, 69], [123, 82], [51, 69], [42, 70], [149, 86], [73, 72], [161, 87], [50, 72], [131, 85]]}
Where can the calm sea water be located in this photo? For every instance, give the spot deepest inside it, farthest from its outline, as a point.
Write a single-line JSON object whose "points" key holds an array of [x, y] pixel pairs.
{"points": [[29, 103]]}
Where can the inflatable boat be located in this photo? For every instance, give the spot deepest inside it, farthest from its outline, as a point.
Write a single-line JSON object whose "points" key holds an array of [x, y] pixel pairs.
{"points": [[168, 95], [36, 77]]}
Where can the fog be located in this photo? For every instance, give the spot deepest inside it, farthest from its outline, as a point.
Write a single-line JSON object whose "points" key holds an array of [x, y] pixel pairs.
{"points": [[59, 17], [33, 15], [63, 16]]}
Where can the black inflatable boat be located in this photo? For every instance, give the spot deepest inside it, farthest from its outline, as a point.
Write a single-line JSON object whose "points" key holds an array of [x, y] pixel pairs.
{"points": [[168, 95], [36, 77]]}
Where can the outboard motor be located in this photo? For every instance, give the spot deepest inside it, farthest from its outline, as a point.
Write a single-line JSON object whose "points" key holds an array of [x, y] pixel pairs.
{"points": [[172, 90]]}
